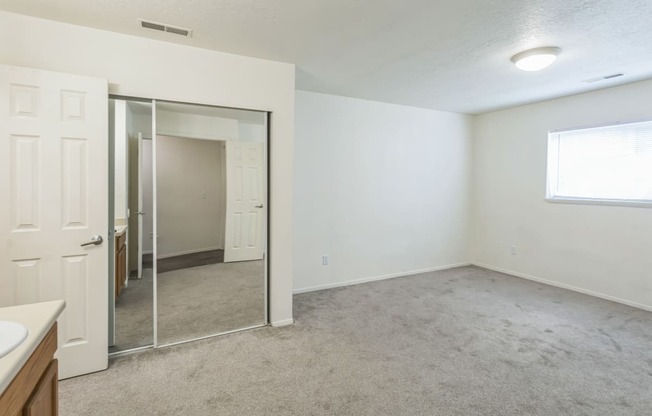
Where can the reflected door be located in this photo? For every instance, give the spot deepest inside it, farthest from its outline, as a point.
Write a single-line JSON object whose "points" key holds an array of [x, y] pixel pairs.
{"points": [[245, 196], [141, 212]]}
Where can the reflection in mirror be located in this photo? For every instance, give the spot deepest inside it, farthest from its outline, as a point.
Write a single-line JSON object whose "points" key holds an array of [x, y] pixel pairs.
{"points": [[211, 181], [132, 306]]}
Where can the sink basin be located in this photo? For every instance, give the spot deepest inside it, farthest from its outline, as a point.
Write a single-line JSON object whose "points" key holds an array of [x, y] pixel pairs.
{"points": [[12, 334]]}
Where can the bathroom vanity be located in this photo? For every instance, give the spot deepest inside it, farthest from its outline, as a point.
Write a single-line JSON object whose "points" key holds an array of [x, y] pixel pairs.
{"points": [[28, 372]]}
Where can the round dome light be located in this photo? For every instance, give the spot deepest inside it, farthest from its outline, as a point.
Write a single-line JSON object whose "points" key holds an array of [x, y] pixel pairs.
{"points": [[536, 59]]}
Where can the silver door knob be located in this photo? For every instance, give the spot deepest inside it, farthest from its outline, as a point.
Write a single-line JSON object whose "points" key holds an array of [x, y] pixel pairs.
{"points": [[259, 206], [96, 240], [141, 213]]}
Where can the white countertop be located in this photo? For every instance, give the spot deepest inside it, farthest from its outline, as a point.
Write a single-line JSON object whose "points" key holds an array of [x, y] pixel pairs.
{"points": [[38, 318], [119, 229]]}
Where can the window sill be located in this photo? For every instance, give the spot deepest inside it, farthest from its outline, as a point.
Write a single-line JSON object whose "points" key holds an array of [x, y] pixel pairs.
{"points": [[606, 202]]}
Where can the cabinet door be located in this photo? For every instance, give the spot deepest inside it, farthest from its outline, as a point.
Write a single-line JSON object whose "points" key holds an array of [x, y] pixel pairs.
{"points": [[118, 281], [120, 265], [45, 397]]}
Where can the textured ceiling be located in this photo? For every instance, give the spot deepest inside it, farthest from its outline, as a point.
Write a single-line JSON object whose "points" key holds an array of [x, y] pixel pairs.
{"points": [[448, 55]]}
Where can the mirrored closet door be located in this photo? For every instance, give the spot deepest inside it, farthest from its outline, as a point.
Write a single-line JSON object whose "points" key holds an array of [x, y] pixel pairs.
{"points": [[196, 178], [131, 304], [211, 181]]}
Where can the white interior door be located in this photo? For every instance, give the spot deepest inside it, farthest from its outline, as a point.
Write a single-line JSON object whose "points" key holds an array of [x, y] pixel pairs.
{"points": [[53, 198], [245, 201], [140, 212]]}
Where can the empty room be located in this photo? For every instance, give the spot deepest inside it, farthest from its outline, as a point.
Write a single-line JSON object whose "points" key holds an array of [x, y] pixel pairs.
{"points": [[325, 208]]}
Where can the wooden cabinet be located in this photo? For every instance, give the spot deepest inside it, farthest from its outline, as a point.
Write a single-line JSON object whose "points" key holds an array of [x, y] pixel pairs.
{"points": [[120, 262], [44, 400], [34, 391]]}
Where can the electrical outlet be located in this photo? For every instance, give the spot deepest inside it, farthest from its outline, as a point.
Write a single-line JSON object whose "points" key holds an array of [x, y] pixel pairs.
{"points": [[512, 250], [324, 260]]}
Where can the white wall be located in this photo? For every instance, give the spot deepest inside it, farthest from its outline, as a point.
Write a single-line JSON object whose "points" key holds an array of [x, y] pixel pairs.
{"points": [[148, 198], [602, 250], [382, 189], [191, 195], [122, 120], [132, 67], [141, 123], [195, 125], [248, 132]]}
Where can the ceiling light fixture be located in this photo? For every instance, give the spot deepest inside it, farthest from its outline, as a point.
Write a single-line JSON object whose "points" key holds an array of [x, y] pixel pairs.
{"points": [[536, 59]]}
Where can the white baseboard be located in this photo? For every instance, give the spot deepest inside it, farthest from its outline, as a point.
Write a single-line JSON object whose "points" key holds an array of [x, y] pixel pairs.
{"points": [[181, 253], [285, 322], [565, 286], [376, 278]]}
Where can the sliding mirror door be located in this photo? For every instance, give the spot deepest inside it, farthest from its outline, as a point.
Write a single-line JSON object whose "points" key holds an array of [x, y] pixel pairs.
{"points": [[211, 187], [131, 306]]}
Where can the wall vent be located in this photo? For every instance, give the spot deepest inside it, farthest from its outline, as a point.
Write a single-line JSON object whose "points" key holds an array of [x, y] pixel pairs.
{"points": [[162, 27], [606, 77]]}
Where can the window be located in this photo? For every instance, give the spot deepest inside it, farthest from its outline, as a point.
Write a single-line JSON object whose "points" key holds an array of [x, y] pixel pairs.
{"points": [[601, 165]]}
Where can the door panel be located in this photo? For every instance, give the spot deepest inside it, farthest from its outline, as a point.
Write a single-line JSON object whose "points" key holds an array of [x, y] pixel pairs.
{"points": [[245, 201], [54, 188]]}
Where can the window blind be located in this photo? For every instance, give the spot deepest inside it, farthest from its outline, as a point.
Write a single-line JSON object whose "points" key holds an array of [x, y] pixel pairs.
{"points": [[604, 163]]}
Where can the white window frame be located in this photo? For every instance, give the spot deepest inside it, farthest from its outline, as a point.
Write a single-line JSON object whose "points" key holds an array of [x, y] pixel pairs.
{"points": [[553, 170]]}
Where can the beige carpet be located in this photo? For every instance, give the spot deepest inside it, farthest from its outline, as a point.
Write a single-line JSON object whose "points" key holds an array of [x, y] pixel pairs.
{"points": [[192, 303], [465, 341], [133, 314], [207, 300]]}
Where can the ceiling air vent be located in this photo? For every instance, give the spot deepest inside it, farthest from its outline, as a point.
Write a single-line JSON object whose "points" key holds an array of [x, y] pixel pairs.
{"points": [[162, 27], [606, 77]]}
